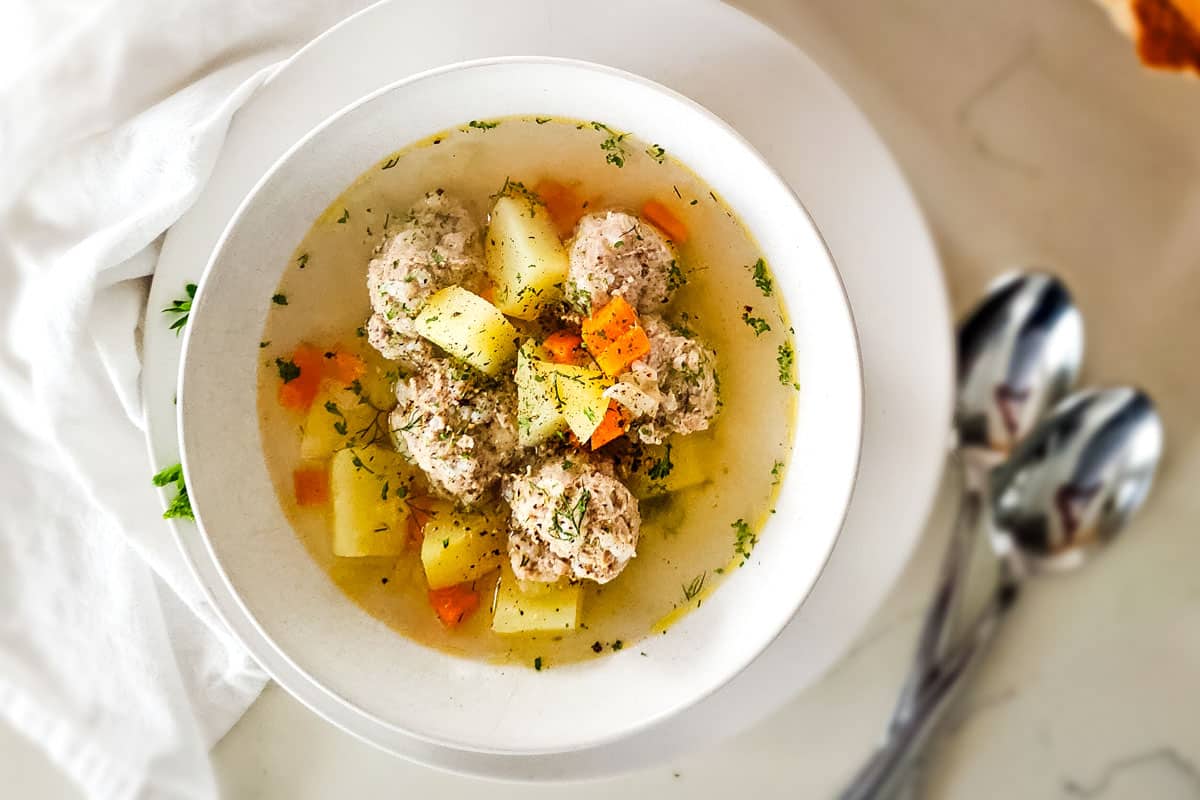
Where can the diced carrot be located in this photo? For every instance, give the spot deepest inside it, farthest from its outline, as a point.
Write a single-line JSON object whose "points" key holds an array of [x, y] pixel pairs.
{"points": [[297, 392], [616, 420], [453, 604], [311, 485], [345, 367], [565, 347], [628, 348], [665, 221], [562, 203], [607, 324], [488, 293]]}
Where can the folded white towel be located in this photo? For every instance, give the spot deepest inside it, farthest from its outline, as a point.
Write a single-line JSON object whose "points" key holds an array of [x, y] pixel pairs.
{"points": [[111, 117]]}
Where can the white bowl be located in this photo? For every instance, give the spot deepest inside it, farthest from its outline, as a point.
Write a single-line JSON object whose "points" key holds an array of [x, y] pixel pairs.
{"points": [[355, 661]]}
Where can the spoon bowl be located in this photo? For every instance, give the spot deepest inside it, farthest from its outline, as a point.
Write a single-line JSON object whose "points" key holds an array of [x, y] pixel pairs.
{"points": [[1070, 486], [1019, 352]]}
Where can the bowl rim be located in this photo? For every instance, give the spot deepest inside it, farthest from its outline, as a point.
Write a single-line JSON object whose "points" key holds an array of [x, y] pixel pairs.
{"points": [[858, 409]]}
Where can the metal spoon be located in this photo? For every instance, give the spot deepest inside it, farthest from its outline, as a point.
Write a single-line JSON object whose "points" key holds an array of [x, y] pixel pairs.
{"points": [[1019, 352], [1067, 489]]}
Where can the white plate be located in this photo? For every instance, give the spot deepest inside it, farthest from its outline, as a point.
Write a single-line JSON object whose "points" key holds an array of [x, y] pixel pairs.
{"points": [[808, 130]]}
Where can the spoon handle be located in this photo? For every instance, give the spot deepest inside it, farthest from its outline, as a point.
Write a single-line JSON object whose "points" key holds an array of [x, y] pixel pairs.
{"points": [[934, 640], [888, 771]]}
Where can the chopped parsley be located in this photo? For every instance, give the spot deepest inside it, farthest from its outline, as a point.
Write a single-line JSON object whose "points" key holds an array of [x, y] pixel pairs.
{"points": [[180, 506], [675, 276], [345, 217], [340, 425], [279, 299], [757, 324], [661, 468], [483, 126], [693, 589], [762, 278], [617, 645], [383, 495], [656, 152], [776, 473], [182, 308], [787, 364], [541, 120], [391, 162], [288, 371], [358, 464], [537, 663], [360, 331], [264, 345], [614, 149], [744, 540], [302, 260]]}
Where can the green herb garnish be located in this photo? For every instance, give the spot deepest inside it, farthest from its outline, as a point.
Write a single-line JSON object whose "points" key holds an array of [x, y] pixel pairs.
{"points": [[787, 364], [691, 590], [656, 152], [279, 299], [661, 468], [483, 126], [302, 260], [180, 506], [744, 540], [288, 371], [568, 517], [541, 120], [182, 308], [391, 162], [615, 152], [345, 217], [776, 473], [762, 278], [537, 663], [675, 276], [757, 324]]}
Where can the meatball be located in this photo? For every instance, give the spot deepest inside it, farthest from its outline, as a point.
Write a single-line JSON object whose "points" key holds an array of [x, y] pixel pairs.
{"points": [[678, 379], [615, 253], [458, 426], [437, 244], [570, 517]]}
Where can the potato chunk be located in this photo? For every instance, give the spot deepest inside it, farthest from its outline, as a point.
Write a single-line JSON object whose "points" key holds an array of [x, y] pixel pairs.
{"points": [[368, 485], [460, 546], [551, 396], [538, 417], [527, 607], [525, 257], [468, 327], [337, 417], [672, 467]]}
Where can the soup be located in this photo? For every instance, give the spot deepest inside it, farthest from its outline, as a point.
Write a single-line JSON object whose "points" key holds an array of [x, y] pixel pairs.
{"points": [[527, 392]]}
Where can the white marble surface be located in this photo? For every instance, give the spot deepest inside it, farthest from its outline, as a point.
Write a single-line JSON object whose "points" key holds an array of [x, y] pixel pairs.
{"points": [[1030, 136]]}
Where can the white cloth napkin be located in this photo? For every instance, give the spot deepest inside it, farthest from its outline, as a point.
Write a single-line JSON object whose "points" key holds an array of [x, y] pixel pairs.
{"points": [[112, 114]]}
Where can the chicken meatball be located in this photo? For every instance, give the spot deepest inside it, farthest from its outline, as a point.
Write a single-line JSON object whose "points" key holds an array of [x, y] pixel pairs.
{"points": [[438, 243], [458, 426], [572, 518], [674, 389], [615, 253]]}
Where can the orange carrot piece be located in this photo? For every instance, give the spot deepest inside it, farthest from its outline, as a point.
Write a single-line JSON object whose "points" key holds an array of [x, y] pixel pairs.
{"points": [[607, 324], [297, 394], [565, 347], [616, 420], [311, 485], [562, 203], [345, 367], [488, 293], [628, 348], [665, 221], [453, 604]]}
